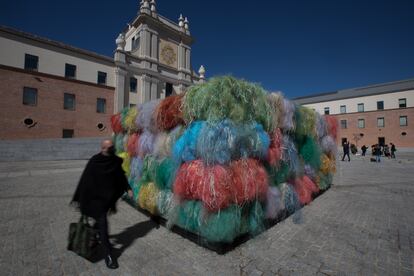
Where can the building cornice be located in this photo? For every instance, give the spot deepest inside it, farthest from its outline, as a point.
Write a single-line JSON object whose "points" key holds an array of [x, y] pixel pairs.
{"points": [[365, 91], [46, 75], [354, 97], [20, 34], [371, 111], [153, 60], [155, 74]]}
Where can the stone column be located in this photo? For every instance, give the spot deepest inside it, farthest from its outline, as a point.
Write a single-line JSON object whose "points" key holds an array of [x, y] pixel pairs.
{"points": [[145, 42], [181, 57], [154, 89], [161, 89], [187, 59], [178, 89], [145, 89], [154, 46], [121, 96]]}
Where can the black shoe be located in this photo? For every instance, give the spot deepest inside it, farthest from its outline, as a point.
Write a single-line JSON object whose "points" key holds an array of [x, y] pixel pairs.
{"points": [[111, 262]]}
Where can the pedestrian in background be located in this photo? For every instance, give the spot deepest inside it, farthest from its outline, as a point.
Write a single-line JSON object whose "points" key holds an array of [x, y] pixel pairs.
{"points": [[387, 151], [377, 152], [393, 150], [364, 150], [345, 147]]}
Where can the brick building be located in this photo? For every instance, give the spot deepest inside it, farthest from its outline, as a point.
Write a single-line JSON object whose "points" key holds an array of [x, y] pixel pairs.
{"points": [[52, 90], [382, 113]]}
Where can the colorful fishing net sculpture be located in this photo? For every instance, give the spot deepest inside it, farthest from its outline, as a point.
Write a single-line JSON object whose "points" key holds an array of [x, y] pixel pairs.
{"points": [[226, 158]]}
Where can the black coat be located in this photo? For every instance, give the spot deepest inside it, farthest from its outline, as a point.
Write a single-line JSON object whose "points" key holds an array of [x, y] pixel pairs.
{"points": [[102, 183], [346, 148]]}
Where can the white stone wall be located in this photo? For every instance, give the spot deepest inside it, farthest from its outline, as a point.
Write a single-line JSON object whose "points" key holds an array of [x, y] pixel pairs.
{"points": [[53, 61], [370, 102]]}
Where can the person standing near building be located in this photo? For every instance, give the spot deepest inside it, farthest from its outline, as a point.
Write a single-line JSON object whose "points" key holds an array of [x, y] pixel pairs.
{"points": [[102, 183], [345, 147], [386, 151], [393, 150], [364, 150], [377, 152]]}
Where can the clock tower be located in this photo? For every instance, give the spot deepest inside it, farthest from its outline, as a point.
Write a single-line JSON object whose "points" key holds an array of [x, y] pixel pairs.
{"points": [[152, 58]]}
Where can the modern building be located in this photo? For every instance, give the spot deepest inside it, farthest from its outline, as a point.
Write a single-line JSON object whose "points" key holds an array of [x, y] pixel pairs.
{"points": [[49, 89], [381, 113]]}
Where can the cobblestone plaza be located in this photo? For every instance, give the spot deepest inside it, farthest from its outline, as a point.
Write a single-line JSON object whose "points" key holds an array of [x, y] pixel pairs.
{"points": [[363, 225]]}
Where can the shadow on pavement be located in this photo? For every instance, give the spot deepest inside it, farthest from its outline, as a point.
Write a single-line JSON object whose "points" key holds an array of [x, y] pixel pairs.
{"points": [[127, 237]]}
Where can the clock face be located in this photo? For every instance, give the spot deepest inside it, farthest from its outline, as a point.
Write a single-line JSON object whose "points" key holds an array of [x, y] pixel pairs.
{"points": [[168, 55]]}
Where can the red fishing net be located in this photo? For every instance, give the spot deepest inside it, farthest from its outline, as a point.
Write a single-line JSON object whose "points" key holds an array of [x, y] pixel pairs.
{"points": [[116, 123], [168, 113]]}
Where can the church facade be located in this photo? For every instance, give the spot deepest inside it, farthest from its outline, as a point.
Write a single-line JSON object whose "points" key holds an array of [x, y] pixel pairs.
{"points": [[153, 58]]}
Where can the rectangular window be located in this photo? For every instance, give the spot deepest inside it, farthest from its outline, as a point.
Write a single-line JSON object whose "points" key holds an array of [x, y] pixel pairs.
{"points": [[29, 96], [361, 123], [70, 71], [133, 85], [132, 105], [326, 110], [343, 108], [69, 101], [31, 62], [168, 89], [403, 121], [101, 77], [402, 103], [135, 43], [380, 105], [68, 133], [101, 105], [360, 107], [380, 122], [343, 124]]}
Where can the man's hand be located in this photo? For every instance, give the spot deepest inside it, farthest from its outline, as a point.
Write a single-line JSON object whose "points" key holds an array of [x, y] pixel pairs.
{"points": [[130, 194]]}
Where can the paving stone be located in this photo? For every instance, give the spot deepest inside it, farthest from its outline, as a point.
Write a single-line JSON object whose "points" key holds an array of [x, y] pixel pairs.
{"points": [[17, 174], [405, 272], [363, 225]]}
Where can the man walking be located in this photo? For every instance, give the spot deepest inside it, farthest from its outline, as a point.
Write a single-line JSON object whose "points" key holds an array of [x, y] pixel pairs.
{"points": [[102, 183], [345, 147], [393, 150]]}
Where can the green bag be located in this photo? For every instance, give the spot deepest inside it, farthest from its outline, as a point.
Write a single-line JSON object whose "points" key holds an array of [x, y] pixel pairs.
{"points": [[82, 239]]}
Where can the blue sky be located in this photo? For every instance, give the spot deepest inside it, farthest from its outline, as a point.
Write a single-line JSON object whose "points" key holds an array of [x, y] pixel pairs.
{"points": [[298, 47]]}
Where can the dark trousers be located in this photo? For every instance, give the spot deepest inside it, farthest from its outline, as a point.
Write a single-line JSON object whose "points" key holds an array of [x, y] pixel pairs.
{"points": [[346, 154], [102, 227]]}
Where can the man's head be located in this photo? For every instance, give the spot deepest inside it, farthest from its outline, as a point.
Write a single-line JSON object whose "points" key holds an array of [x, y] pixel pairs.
{"points": [[107, 147]]}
